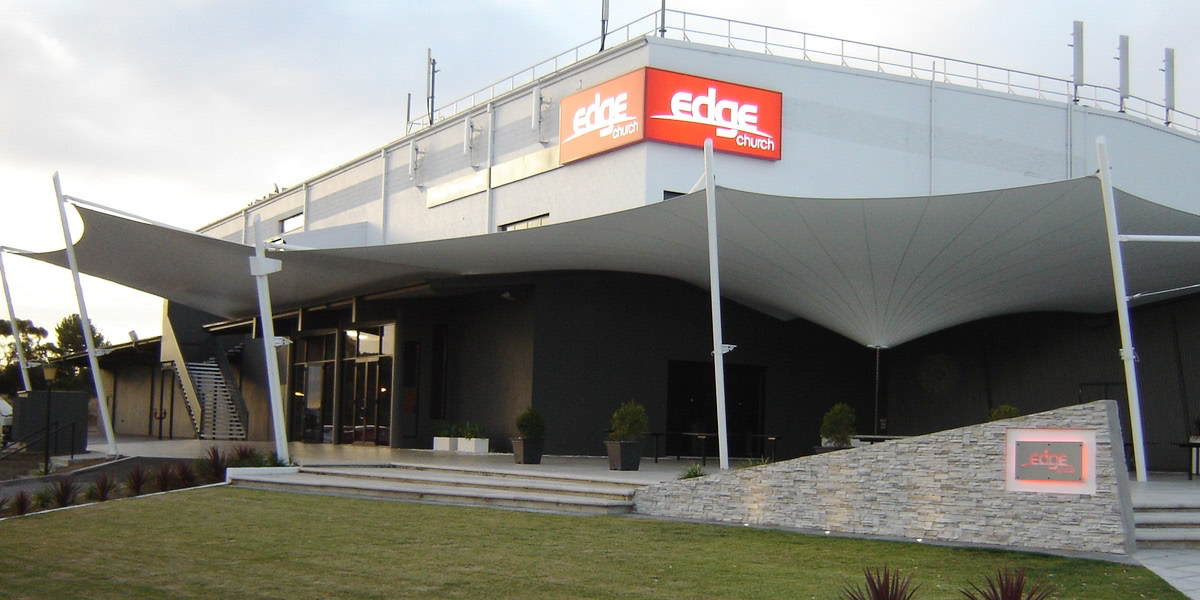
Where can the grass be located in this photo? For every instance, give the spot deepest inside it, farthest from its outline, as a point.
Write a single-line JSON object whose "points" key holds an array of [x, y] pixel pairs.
{"points": [[228, 542]]}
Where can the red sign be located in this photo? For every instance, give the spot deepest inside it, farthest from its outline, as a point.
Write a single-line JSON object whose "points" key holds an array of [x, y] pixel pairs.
{"points": [[671, 107], [684, 109]]}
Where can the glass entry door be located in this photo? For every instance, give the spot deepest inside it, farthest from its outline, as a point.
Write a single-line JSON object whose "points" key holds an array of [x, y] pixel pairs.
{"points": [[369, 401]]}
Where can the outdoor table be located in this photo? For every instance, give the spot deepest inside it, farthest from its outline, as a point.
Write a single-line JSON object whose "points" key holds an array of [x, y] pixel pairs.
{"points": [[703, 445], [656, 435], [1194, 464]]}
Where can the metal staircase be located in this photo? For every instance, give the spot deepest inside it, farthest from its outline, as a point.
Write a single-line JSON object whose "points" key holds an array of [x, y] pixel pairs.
{"points": [[221, 417]]}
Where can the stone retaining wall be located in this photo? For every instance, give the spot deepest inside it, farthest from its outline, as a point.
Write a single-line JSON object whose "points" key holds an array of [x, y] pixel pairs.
{"points": [[947, 486]]}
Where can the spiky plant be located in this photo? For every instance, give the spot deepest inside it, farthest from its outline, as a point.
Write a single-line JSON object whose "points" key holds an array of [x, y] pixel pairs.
{"points": [[246, 456], [64, 492], [213, 465], [4, 500], [22, 503], [102, 488], [692, 471], [1009, 585], [135, 481], [885, 584], [164, 477], [185, 474]]}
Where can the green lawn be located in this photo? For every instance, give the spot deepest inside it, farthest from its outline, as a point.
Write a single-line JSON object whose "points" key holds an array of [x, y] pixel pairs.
{"points": [[224, 542]]}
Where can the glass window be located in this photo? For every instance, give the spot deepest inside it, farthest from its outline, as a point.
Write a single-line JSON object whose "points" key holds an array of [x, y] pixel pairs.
{"points": [[292, 223]]}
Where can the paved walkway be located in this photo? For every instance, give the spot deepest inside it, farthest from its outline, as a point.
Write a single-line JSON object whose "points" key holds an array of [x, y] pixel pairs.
{"points": [[1179, 567]]}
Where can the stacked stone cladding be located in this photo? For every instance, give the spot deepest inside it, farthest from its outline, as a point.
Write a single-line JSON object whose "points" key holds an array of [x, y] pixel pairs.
{"points": [[944, 487]]}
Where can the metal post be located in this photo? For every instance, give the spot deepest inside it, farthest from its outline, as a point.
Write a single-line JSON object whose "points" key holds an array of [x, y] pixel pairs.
{"points": [[1169, 79], [662, 21], [1123, 79], [16, 332], [714, 284], [46, 437], [1127, 352], [1077, 46], [85, 323], [260, 268]]}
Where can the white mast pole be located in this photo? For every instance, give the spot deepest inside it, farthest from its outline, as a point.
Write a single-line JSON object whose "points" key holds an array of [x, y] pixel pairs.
{"points": [[1127, 352], [260, 268], [15, 329], [84, 321], [714, 284]]}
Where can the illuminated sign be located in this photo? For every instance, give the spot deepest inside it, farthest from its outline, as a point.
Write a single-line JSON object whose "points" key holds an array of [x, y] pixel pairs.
{"points": [[671, 107], [1054, 461], [602, 118], [683, 109], [1050, 461]]}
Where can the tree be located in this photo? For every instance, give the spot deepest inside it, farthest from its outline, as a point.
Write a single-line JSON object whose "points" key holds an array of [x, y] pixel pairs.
{"points": [[33, 344], [69, 333]]}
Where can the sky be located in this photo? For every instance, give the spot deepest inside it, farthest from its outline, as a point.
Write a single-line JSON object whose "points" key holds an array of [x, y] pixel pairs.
{"points": [[185, 111]]}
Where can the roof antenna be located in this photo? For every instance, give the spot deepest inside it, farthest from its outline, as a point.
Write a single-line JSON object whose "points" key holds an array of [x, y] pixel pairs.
{"points": [[603, 22], [430, 76]]}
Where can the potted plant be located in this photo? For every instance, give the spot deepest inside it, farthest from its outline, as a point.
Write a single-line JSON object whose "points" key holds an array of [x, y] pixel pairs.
{"points": [[624, 444], [837, 426], [445, 437], [471, 440], [527, 449]]}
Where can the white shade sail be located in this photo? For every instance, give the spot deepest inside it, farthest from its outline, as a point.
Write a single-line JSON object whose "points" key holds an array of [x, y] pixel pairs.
{"points": [[879, 271]]}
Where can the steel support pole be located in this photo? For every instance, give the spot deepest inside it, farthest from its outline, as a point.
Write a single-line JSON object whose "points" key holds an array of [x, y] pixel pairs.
{"points": [[85, 322], [12, 319], [714, 285], [260, 268], [1128, 355]]}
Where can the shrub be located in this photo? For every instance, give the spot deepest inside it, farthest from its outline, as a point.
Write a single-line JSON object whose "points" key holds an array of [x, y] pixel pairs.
{"points": [[445, 429], [247, 456], [22, 503], [135, 481], [692, 471], [470, 430], [274, 461], [838, 424], [44, 498], [755, 462], [101, 489], [1004, 411], [629, 422], [531, 425], [185, 474], [882, 585], [213, 465], [1009, 585]]}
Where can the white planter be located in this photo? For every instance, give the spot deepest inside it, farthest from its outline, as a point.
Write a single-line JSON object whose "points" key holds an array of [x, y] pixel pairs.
{"points": [[445, 444], [473, 445]]}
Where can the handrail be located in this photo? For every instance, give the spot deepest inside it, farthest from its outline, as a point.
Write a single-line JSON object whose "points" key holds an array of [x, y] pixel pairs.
{"points": [[39, 435], [775, 41]]}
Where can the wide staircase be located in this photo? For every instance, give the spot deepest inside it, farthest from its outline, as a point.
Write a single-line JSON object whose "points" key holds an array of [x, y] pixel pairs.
{"points": [[1167, 522], [220, 418], [520, 490]]}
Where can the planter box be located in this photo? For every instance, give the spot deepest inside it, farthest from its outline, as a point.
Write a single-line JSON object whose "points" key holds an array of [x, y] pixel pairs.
{"points": [[624, 456], [473, 445], [445, 444], [527, 452]]}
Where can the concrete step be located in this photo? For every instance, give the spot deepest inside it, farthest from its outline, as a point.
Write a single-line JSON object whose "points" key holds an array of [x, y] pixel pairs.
{"points": [[610, 478], [484, 479], [1167, 538], [368, 487], [1185, 519]]}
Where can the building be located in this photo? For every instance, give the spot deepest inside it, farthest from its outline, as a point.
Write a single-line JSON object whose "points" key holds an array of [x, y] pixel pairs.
{"points": [[919, 243]]}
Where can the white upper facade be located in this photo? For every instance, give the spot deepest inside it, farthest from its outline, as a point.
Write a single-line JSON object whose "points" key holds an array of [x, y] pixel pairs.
{"points": [[846, 133]]}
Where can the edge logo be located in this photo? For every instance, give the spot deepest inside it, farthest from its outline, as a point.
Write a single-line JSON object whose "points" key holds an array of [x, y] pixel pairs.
{"points": [[606, 116], [730, 118]]}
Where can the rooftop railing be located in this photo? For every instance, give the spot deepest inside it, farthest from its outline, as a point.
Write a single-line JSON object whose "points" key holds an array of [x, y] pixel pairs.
{"points": [[750, 37]]}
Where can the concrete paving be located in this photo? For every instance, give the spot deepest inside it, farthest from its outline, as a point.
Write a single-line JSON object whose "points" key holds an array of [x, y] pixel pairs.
{"points": [[1179, 567]]}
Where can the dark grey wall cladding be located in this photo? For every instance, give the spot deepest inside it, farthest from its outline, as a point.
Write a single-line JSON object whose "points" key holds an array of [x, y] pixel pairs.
{"points": [[606, 338], [345, 199], [947, 486], [1042, 361]]}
